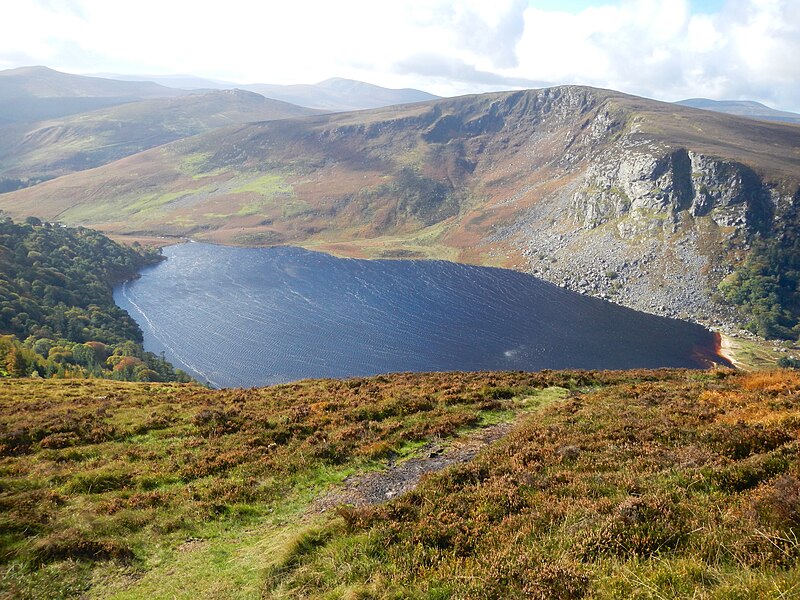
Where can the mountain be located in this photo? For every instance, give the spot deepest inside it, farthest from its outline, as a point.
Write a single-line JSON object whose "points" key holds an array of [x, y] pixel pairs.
{"points": [[181, 82], [338, 94], [742, 108], [647, 203], [331, 95], [48, 149], [36, 93]]}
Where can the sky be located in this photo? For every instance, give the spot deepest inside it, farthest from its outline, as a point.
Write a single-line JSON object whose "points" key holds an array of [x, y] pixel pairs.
{"points": [[664, 49]]}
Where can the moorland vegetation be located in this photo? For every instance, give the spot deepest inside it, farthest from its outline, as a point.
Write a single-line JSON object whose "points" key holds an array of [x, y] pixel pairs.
{"points": [[638, 484]]}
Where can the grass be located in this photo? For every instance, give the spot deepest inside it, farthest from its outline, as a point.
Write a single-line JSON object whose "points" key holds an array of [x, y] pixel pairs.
{"points": [[142, 208], [273, 191], [753, 355], [426, 243], [640, 484], [269, 184], [102, 483]]}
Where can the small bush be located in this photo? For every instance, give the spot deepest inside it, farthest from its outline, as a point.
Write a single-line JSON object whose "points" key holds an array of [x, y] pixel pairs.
{"points": [[741, 440], [778, 503], [60, 440], [749, 473], [642, 526]]}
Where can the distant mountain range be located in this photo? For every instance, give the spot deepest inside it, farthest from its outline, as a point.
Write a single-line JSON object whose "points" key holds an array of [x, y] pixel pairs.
{"points": [[32, 94], [742, 108], [340, 94], [333, 95], [54, 123]]}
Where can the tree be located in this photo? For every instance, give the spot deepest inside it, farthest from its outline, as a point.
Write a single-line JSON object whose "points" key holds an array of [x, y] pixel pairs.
{"points": [[16, 366]]}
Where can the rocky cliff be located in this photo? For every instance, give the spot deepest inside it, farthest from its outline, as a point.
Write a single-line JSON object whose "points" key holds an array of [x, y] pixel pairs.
{"points": [[655, 225]]}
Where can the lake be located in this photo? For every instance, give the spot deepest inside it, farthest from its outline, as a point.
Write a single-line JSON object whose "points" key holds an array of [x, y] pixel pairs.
{"points": [[243, 317]]}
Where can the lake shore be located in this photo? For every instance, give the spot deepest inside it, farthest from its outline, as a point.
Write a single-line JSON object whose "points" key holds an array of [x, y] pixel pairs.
{"points": [[285, 314], [727, 349]]}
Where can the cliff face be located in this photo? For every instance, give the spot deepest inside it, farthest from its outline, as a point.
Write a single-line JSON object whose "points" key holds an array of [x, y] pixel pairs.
{"points": [[646, 192], [656, 227]]}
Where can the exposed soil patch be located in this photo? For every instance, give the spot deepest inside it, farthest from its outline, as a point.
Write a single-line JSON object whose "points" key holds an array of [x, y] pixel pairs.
{"points": [[191, 544], [382, 486]]}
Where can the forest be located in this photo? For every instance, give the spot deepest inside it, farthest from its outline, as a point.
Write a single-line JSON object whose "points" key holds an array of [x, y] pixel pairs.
{"points": [[57, 311], [766, 286]]}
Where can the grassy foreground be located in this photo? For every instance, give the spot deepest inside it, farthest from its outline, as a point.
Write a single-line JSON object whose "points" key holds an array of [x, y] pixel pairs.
{"points": [[647, 484]]}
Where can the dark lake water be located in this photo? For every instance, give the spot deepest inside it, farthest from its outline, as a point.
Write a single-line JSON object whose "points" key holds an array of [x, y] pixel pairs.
{"points": [[248, 317]]}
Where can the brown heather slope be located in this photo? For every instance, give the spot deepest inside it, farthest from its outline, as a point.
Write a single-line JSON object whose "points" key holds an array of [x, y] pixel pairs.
{"points": [[635, 484], [645, 202]]}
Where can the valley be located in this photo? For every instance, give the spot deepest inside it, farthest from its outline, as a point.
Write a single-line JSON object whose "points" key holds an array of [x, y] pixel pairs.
{"points": [[648, 204], [443, 300]]}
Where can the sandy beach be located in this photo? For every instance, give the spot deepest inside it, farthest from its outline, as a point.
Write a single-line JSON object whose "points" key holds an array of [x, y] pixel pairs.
{"points": [[727, 349]]}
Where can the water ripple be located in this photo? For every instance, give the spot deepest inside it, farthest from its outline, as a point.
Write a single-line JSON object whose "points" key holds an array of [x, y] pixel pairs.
{"points": [[247, 317]]}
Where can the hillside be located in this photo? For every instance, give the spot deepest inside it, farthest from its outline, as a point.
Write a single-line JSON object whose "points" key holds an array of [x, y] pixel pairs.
{"points": [[742, 108], [337, 94], [643, 484], [30, 94], [647, 203], [48, 149]]}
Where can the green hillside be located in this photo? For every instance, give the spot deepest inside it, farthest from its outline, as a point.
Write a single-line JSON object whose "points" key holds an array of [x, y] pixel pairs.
{"points": [[642, 484]]}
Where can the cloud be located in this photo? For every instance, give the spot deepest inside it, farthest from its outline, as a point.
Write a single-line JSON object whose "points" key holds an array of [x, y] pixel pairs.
{"points": [[486, 29], [457, 71], [666, 49], [663, 50]]}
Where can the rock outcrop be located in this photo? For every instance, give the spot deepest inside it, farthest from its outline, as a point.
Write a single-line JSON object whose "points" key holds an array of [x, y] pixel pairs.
{"points": [[654, 227]]}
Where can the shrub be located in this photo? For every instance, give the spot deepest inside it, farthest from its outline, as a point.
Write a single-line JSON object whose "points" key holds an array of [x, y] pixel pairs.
{"points": [[777, 504], [642, 526], [741, 440]]}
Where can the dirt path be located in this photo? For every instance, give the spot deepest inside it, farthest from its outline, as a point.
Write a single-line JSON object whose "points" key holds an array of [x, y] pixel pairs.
{"points": [[381, 486]]}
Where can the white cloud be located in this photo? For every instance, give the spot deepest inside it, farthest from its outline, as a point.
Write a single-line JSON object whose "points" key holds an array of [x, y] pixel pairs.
{"points": [[662, 50], [656, 48]]}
